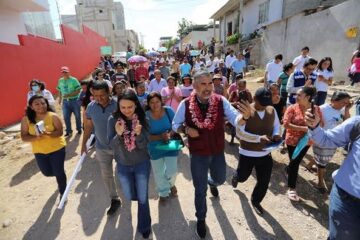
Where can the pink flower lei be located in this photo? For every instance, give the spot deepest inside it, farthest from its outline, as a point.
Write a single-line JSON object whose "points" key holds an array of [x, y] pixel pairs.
{"points": [[211, 114], [129, 134]]}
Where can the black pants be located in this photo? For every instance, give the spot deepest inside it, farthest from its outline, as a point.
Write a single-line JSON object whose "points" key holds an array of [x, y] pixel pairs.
{"points": [[293, 167], [263, 166], [52, 164]]}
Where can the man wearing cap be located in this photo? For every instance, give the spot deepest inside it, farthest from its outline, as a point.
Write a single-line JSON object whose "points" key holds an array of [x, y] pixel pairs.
{"points": [[261, 127], [69, 89], [201, 117]]}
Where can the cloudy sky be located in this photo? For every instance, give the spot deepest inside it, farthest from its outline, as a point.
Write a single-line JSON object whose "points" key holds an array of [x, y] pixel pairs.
{"points": [[156, 18]]}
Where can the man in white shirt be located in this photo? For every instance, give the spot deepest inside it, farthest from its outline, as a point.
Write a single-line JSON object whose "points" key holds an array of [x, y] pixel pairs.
{"points": [[211, 64], [261, 126], [273, 70], [157, 83], [228, 61], [300, 60]]}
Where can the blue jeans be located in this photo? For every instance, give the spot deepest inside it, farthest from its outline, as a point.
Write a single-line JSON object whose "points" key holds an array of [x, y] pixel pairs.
{"points": [[200, 166], [134, 182], [71, 106], [357, 109], [344, 215], [52, 164], [320, 98], [165, 171]]}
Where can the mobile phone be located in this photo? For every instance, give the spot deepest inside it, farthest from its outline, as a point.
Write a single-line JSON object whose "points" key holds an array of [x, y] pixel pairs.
{"points": [[313, 108], [243, 96]]}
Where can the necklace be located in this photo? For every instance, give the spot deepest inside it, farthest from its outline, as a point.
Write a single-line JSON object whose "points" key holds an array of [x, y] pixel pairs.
{"points": [[129, 134], [211, 114]]}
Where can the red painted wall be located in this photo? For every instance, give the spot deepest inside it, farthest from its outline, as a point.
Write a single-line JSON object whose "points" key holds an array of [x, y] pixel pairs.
{"points": [[42, 59]]}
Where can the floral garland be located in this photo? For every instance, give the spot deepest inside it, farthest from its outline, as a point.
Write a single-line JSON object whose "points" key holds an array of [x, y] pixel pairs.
{"points": [[211, 114], [129, 135]]}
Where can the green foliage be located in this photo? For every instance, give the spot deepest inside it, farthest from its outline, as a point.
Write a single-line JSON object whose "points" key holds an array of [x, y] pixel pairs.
{"points": [[232, 39], [170, 43], [183, 27]]}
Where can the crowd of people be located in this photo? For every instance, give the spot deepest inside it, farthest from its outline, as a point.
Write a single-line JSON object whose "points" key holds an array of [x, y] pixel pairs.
{"points": [[135, 109]]}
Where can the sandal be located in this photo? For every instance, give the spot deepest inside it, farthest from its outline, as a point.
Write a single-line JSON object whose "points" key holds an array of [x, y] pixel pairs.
{"points": [[292, 195]]}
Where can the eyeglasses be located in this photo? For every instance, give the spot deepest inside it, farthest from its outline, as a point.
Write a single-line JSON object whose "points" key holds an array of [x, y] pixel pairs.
{"points": [[310, 69], [34, 85]]}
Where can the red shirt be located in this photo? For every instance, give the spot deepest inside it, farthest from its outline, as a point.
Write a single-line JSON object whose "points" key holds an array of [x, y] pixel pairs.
{"points": [[295, 115], [139, 71]]}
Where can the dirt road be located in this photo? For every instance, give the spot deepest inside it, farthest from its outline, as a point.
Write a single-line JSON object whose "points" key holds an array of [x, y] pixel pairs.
{"points": [[28, 206]]}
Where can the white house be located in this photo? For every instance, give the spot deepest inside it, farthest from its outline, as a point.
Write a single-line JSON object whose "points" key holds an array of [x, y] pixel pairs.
{"points": [[198, 33], [246, 16]]}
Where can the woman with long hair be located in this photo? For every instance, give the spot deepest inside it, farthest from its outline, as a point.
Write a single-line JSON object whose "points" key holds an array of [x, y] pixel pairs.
{"points": [[325, 74], [171, 94], [296, 128], [164, 163], [127, 131], [43, 129]]}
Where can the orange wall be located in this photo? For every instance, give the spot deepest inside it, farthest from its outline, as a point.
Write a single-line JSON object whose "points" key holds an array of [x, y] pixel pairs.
{"points": [[42, 59]]}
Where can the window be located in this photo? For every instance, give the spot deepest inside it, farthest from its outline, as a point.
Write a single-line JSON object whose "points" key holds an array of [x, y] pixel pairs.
{"points": [[229, 29], [264, 12]]}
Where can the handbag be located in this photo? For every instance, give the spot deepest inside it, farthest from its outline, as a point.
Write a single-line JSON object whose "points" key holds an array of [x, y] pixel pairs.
{"points": [[174, 135]]}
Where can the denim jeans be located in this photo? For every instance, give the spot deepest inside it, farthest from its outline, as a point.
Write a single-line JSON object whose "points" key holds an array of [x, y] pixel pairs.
{"points": [[357, 109], [52, 164], [344, 215], [165, 171], [200, 166], [71, 106], [134, 182], [320, 98]]}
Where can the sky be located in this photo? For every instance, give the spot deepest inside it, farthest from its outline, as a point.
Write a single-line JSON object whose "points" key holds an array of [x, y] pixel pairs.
{"points": [[157, 18]]}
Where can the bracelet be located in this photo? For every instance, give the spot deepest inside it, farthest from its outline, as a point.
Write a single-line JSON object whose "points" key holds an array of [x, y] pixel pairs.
{"points": [[312, 128], [245, 119]]}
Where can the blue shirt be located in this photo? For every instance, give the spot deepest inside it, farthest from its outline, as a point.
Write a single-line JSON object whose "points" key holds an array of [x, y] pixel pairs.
{"points": [[238, 66], [157, 127], [348, 176], [143, 99], [231, 114], [99, 117], [185, 69]]}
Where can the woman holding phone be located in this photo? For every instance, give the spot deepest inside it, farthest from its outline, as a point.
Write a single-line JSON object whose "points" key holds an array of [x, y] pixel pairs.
{"points": [[296, 129], [48, 143], [171, 94]]}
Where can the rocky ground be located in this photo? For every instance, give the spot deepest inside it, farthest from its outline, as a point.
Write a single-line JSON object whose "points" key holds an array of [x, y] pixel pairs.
{"points": [[28, 206]]}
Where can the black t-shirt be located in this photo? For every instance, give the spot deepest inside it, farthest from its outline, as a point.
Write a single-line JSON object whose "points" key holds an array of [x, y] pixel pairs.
{"points": [[279, 108]]}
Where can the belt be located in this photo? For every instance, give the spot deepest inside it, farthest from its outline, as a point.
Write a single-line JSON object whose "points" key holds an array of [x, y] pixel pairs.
{"points": [[70, 99]]}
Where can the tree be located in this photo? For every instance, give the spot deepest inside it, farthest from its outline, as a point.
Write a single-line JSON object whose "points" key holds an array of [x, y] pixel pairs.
{"points": [[184, 27], [170, 43]]}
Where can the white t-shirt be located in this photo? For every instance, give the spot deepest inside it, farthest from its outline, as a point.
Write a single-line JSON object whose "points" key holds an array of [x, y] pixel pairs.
{"points": [[331, 116], [229, 60], [45, 93], [273, 70], [299, 62], [197, 65], [320, 85], [211, 65]]}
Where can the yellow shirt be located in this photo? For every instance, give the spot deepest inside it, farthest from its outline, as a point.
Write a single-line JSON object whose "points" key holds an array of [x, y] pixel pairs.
{"points": [[46, 144]]}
